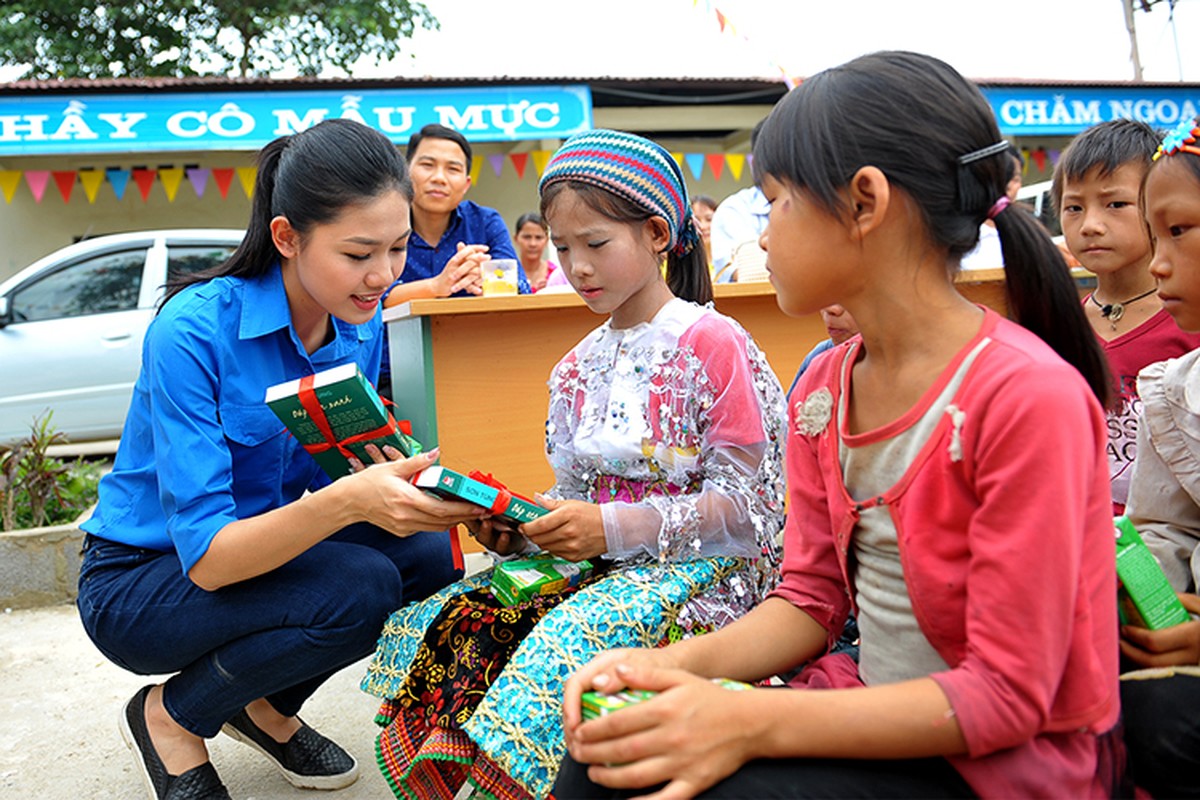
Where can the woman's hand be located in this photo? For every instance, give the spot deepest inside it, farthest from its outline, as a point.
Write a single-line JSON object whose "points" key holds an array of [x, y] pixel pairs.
{"points": [[377, 455], [1168, 647], [385, 498], [497, 535], [573, 529], [690, 736]]}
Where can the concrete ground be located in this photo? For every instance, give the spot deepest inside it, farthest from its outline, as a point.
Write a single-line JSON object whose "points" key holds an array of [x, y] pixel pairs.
{"points": [[60, 700]]}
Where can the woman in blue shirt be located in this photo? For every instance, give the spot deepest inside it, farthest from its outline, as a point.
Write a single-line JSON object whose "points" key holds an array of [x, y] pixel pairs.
{"points": [[219, 552]]}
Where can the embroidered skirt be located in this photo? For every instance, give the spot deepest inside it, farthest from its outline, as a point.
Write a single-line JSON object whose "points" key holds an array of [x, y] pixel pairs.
{"points": [[473, 690]]}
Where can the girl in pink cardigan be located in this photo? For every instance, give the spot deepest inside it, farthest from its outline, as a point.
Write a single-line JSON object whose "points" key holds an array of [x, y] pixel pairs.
{"points": [[948, 484]]}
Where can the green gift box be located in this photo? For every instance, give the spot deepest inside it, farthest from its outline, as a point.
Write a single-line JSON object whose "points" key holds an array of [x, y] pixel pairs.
{"points": [[518, 581], [335, 412], [451, 485], [598, 704]]}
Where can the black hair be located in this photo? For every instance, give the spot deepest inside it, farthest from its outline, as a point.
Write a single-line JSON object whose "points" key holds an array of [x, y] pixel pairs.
{"points": [[1190, 159], [1019, 157], [705, 200], [914, 118], [1107, 147], [528, 217], [436, 131], [310, 178], [687, 275]]}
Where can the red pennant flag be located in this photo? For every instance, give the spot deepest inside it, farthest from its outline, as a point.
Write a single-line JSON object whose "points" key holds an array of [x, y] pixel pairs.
{"points": [[65, 181], [224, 179], [716, 164], [144, 178], [720, 19], [520, 161], [1039, 158]]}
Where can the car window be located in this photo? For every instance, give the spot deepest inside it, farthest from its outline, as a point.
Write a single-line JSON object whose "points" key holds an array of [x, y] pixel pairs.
{"points": [[97, 285], [184, 259]]}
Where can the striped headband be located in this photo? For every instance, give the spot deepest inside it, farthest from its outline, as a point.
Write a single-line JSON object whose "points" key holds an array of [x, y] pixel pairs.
{"points": [[632, 167]]}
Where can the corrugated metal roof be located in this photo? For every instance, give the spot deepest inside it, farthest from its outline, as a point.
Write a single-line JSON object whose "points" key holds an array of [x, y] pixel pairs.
{"points": [[204, 82]]}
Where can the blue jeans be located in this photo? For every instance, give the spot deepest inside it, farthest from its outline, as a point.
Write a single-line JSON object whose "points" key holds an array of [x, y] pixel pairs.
{"points": [[277, 636]]}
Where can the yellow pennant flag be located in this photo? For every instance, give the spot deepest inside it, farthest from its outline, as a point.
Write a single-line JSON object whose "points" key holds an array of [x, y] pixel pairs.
{"points": [[736, 161], [247, 175], [91, 180], [476, 165], [171, 177], [540, 159], [10, 179], [678, 160]]}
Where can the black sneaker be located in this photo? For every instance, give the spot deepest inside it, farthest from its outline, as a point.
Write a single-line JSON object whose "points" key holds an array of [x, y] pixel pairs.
{"points": [[198, 783], [307, 761]]}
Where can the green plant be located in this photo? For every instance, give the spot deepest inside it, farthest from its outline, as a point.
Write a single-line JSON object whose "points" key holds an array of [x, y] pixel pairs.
{"points": [[37, 489]]}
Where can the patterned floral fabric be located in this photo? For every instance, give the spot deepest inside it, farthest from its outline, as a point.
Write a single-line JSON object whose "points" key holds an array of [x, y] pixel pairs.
{"points": [[676, 429]]}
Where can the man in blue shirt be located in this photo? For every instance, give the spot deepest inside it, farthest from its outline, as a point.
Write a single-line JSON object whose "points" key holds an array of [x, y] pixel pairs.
{"points": [[451, 236]]}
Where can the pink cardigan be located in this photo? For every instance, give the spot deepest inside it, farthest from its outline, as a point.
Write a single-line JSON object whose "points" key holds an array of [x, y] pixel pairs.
{"points": [[1006, 539]]}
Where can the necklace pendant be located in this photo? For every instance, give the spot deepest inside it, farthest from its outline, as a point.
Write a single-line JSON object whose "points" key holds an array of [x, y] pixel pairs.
{"points": [[1117, 311]]}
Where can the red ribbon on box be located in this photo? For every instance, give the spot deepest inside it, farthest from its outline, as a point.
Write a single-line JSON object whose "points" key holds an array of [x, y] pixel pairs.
{"points": [[308, 399], [503, 494]]}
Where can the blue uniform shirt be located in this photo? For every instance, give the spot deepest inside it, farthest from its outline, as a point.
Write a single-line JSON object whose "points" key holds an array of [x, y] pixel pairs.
{"points": [[200, 448], [470, 223]]}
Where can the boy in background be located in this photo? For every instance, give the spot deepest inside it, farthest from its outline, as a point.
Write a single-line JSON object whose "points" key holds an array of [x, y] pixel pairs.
{"points": [[1095, 188]]}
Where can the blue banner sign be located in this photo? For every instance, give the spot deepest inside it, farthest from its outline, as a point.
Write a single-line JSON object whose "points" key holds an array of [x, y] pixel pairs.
{"points": [[1066, 111], [143, 123]]}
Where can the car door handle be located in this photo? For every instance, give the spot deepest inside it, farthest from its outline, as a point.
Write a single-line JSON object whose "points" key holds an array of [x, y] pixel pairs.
{"points": [[117, 337]]}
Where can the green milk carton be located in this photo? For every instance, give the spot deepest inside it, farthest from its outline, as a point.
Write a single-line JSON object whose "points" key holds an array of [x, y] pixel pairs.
{"points": [[1145, 596]]}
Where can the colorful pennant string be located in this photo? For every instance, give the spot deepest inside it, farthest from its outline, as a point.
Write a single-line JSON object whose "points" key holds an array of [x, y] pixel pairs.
{"points": [[172, 178]]}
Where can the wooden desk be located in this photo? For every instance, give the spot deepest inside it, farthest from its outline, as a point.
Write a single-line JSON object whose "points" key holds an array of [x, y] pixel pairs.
{"points": [[471, 373]]}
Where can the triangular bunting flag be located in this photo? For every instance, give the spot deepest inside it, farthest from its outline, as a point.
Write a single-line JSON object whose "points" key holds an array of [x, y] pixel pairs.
{"points": [[497, 162], [9, 180], [720, 20], [1039, 158], [520, 161], [37, 180], [247, 175], [716, 163], [1055, 155], [678, 159], [199, 179], [144, 178], [540, 159], [736, 161], [119, 178], [171, 177], [65, 181], [91, 180], [695, 162], [224, 178], [476, 165]]}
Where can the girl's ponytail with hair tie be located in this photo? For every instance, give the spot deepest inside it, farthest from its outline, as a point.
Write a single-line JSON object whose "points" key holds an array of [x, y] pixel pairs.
{"points": [[689, 236], [970, 188], [998, 207]]}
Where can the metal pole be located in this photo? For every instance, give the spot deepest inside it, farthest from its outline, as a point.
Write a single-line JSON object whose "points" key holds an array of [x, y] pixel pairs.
{"points": [[1127, 5]]}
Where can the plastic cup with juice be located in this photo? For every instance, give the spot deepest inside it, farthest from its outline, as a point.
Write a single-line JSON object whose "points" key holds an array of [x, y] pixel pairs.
{"points": [[499, 276]]}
